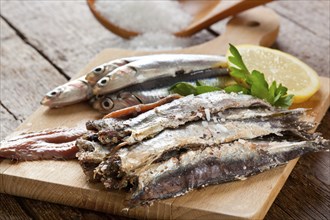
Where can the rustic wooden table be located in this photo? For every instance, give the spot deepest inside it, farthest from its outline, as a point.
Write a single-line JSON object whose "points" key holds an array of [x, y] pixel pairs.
{"points": [[45, 43]]}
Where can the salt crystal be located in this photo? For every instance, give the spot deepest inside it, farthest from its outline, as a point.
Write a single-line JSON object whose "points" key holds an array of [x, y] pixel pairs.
{"points": [[155, 20], [145, 16], [221, 128], [207, 114]]}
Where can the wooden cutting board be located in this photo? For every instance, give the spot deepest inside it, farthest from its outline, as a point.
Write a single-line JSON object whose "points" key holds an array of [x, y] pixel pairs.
{"points": [[63, 182]]}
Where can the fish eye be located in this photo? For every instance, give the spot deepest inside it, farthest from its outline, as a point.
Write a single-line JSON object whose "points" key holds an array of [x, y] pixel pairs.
{"points": [[98, 70], [107, 104], [103, 81], [52, 94]]}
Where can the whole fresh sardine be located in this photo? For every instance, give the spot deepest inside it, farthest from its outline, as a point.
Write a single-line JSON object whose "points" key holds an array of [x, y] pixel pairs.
{"points": [[123, 99], [98, 72], [69, 93], [157, 67], [80, 89], [148, 93]]}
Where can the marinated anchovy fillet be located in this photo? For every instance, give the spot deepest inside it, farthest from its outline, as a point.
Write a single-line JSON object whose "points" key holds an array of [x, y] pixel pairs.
{"points": [[50, 144], [174, 114], [217, 164], [130, 161]]}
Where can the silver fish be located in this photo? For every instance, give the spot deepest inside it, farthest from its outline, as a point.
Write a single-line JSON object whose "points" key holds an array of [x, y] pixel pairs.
{"points": [[142, 94], [100, 71], [80, 89], [157, 67], [77, 90], [69, 93], [123, 99]]}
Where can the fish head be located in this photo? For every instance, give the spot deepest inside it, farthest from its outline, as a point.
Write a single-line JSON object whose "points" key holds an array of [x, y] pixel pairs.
{"points": [[101, 85], [97, 73], [120, 78], [103, 103], [67, 94], [113, 102]]}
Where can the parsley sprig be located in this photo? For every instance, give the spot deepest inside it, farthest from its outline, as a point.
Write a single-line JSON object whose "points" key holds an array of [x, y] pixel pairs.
{"points": [[252, 83]]}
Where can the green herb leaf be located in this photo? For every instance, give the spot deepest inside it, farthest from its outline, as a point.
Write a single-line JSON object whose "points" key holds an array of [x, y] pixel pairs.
{"points": [[256, 83], [200, 83], [205, 89], [236, 88], [253, 83], [237, 59], [284, 101], [183, 88]]}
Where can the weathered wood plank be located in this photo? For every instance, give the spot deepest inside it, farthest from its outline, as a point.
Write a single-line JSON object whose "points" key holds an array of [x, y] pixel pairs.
{"points": [[287, 42], [313, 17], [23, 81], [305, 45], [306, 193], [8, 122], [50, 211], [308, 45], [71, 36], [10, 209]]}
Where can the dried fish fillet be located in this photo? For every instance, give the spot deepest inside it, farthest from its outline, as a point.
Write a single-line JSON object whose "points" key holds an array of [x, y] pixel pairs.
{"points": [[131, 160], [217, 164], [197, 141], [173, 115], [90, 155]]}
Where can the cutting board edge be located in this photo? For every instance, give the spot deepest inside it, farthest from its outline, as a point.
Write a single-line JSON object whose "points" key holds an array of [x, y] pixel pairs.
{"points": [[83, 198]]}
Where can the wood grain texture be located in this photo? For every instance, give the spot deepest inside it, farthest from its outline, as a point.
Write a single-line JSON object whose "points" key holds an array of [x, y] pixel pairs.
{"points": [[69, 48], [311, 18], [303, 32], [23, 70], [10, 209], [256, 194], [8, 122], [306, 193], [310, 48]]}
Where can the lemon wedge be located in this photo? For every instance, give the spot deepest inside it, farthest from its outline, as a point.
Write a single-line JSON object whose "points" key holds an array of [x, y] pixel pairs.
{"points": [[300, 79]]}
